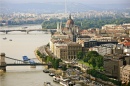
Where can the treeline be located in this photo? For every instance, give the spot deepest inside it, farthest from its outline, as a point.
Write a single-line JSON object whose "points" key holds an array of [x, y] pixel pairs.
{"points": [[21, 22], [38, 21], [85, 23], [99, 22]]}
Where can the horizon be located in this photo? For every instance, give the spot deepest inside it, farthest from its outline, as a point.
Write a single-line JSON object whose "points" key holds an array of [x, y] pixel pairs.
{"points": [[56, 6], [77, 1]]}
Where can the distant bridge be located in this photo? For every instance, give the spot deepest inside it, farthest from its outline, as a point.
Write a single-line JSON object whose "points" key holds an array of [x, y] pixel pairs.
{"points": [[8, 61], [26, 30]]}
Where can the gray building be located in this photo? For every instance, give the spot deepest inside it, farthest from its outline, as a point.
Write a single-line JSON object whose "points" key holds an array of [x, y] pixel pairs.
{"points": [[112, 64]]}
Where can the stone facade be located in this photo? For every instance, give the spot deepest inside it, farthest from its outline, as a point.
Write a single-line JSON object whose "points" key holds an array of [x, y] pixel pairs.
{"points": [[125, 74], [68, 52], [112, 64], [73, 49]]}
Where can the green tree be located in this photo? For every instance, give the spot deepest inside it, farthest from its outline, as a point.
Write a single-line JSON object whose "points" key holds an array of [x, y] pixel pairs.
{"points": [[99, 61], [80, 55], [89, 55], [128, 84], [92, 61], [56, 65], [49, 59], [93, 58]]}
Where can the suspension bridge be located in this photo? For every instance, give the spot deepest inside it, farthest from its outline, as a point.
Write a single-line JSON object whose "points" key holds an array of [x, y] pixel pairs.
{"points": [[8, 61]]}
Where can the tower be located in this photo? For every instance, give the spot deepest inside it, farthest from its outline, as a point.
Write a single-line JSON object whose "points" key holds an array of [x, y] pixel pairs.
{"points": [[70, 22], [58, 26], [65, 6], [2, 62], [61, 27]]}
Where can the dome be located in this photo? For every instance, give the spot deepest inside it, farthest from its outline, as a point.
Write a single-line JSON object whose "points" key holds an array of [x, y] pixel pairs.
{"points": [[69, 22]]}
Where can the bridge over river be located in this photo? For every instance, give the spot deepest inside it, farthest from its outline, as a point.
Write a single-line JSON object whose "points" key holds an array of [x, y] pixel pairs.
{"points": [[8, 61], [6, 31]]}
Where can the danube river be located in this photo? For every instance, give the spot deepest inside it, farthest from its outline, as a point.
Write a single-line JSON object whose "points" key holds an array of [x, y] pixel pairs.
{"points": [[23, 44]]}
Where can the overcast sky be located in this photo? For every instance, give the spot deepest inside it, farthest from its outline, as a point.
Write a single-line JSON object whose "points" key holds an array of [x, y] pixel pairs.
{"points": [[80, 1]]}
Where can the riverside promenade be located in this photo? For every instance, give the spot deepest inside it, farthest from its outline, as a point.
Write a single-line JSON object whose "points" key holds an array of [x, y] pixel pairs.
{"points": [[42, 51]]}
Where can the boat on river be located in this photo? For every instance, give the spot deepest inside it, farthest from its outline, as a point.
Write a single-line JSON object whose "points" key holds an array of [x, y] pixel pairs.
{"points": [[10, 40], [25, 58], [47, 84], [4, 38], [64, 82]]}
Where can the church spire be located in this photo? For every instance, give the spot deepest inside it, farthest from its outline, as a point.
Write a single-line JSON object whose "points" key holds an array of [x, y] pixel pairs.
{"points": [[70, 16]]}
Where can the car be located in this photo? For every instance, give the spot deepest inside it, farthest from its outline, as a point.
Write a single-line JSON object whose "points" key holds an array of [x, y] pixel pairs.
{"points": [[51, 74], [46, 71]]}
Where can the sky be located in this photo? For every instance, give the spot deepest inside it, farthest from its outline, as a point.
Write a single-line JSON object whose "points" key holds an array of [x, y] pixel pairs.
{"points": [[80, 1]]}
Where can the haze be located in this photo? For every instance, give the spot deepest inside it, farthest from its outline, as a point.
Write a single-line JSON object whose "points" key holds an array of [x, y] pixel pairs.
{"points": [[80, 1]]}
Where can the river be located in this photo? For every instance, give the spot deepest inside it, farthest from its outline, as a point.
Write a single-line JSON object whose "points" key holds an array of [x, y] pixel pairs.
{"points": [[23, 44]]}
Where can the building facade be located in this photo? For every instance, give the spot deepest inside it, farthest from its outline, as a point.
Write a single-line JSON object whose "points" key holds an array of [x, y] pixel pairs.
{"points": [[112, 64], [125, 74]]}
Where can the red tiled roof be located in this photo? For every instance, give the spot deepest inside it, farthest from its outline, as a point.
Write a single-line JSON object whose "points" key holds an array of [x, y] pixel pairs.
{"points": [[127, 43]]}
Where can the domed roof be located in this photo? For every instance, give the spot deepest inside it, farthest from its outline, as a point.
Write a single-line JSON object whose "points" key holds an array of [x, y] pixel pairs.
{"points": [[69, 22]]}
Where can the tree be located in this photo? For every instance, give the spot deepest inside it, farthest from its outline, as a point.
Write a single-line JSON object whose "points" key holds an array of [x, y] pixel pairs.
{"points": [[92, 61], [49, 59], [93, 58], [90, 54], [64, 68], [128, 84], [56, 64], [99, 61], [80, 55]]}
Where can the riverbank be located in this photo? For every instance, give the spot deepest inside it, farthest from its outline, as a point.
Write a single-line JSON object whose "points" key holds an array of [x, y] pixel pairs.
{"points": [[30, 26], [24, 25], [35, 52], [42, 50]]}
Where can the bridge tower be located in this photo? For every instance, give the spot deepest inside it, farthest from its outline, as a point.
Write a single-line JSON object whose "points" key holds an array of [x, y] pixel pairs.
{"points": [[6, 32], [27, 31], [2, 62]]}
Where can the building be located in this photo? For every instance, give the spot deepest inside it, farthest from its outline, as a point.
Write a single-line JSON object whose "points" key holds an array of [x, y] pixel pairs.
{"points": [[125, 74], [67, 51], [112, 64], [107, 49], [57, 42], [82, 40], [63, 42], [73, 49], [61, 52], [69, 23], [70, 30]]}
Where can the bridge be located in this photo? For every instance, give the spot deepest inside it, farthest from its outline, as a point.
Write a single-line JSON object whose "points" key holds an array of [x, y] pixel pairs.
{"points": [[8, 61], [26, 30]]}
